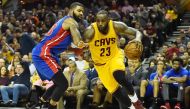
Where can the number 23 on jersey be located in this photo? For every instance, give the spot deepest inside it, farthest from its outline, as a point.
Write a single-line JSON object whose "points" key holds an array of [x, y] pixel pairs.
{"points": [[105, 52]]}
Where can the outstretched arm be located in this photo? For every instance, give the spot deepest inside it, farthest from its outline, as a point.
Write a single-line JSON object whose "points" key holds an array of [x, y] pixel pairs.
{"points": [[72, 25], [122, 29]]}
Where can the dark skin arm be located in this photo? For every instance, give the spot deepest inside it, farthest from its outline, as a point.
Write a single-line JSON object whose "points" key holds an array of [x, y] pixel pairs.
{"points": [[72, 25], [179, 79], [167, 80], [88, 34], [122, 29], [119, 27]]}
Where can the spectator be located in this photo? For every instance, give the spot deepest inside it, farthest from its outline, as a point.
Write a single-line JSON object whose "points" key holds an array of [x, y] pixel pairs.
{"points": [[15, 45], [151, 68], [77, 85], [26, 42], [187, 100], [179, 41], [174, 79], [81, 63], [127, 7], [11, 71], [146, 41], [183, 37], [9, 36], [63, 59], [37, 90], [19, 87], [186, 61], [7, 54], [171, 50], [90, 17], [4, 78], [159, 25], [2, 62], [114, 5], [142, 15], [187, 93], [135, 74], [91, 73], [162, 58], [154, 83], [100, 91], [164, 49], [150, 32], [16, 60]]}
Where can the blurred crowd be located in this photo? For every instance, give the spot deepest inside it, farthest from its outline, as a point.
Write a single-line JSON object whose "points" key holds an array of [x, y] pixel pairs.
{"points": [[20, 31]]}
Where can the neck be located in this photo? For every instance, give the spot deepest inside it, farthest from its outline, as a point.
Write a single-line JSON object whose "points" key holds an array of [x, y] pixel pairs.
{"points": [[104, 31], [159, 72], [70, 13]]}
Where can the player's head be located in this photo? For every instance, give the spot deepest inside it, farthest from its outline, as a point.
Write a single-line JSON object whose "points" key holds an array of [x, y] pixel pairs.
{"points": [[77, 10], [102, 20]]}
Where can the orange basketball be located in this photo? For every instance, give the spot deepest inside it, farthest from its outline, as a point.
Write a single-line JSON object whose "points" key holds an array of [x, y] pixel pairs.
{"points": [[133, 50]]}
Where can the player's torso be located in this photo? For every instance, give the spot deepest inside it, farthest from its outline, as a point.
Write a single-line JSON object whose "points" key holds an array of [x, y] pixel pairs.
{"points": [[104, 46], [57, 39]]}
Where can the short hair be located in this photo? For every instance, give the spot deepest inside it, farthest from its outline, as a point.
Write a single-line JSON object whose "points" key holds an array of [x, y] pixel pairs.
{"points": [[75, 4], [178, 59], [72, 62], [162, 61], [18, 30], [153, 60], [103, 12]]}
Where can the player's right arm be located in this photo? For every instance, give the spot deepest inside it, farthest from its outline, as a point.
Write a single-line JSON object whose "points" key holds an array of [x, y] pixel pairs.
{"points": [[71, 25], [88, 34]]}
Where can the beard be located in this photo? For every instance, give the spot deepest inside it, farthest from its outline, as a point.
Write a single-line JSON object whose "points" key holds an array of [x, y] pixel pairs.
{"points": [[76, 17], [177, 69], [104, 30]]}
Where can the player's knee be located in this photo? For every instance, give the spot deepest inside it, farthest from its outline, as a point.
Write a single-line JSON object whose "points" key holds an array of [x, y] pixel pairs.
{"points": [[60, 80], [64, 85]]}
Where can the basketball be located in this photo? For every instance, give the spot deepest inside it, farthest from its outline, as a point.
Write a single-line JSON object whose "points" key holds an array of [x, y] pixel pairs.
{"points": [[133, 50]]}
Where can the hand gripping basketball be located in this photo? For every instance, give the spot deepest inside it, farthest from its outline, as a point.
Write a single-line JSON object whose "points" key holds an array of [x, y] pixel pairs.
{"points": [[133, 50]]}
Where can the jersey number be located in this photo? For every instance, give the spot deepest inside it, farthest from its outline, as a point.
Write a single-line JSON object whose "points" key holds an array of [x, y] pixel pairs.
{"points": [[105, 51]]}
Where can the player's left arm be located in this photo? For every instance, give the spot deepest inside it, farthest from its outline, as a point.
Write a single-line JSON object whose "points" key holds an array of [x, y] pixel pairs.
{"points": [[88, 34], [124, 30]]}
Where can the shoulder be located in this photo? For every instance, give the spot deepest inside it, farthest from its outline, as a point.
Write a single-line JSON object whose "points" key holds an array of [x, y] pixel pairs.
{"points": [[66, 73], [89, 33], [90, 27], [151, 77], [81, 73], [70, 22], [87, 72], [153, 74], [171, 71], [184, 71]]}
